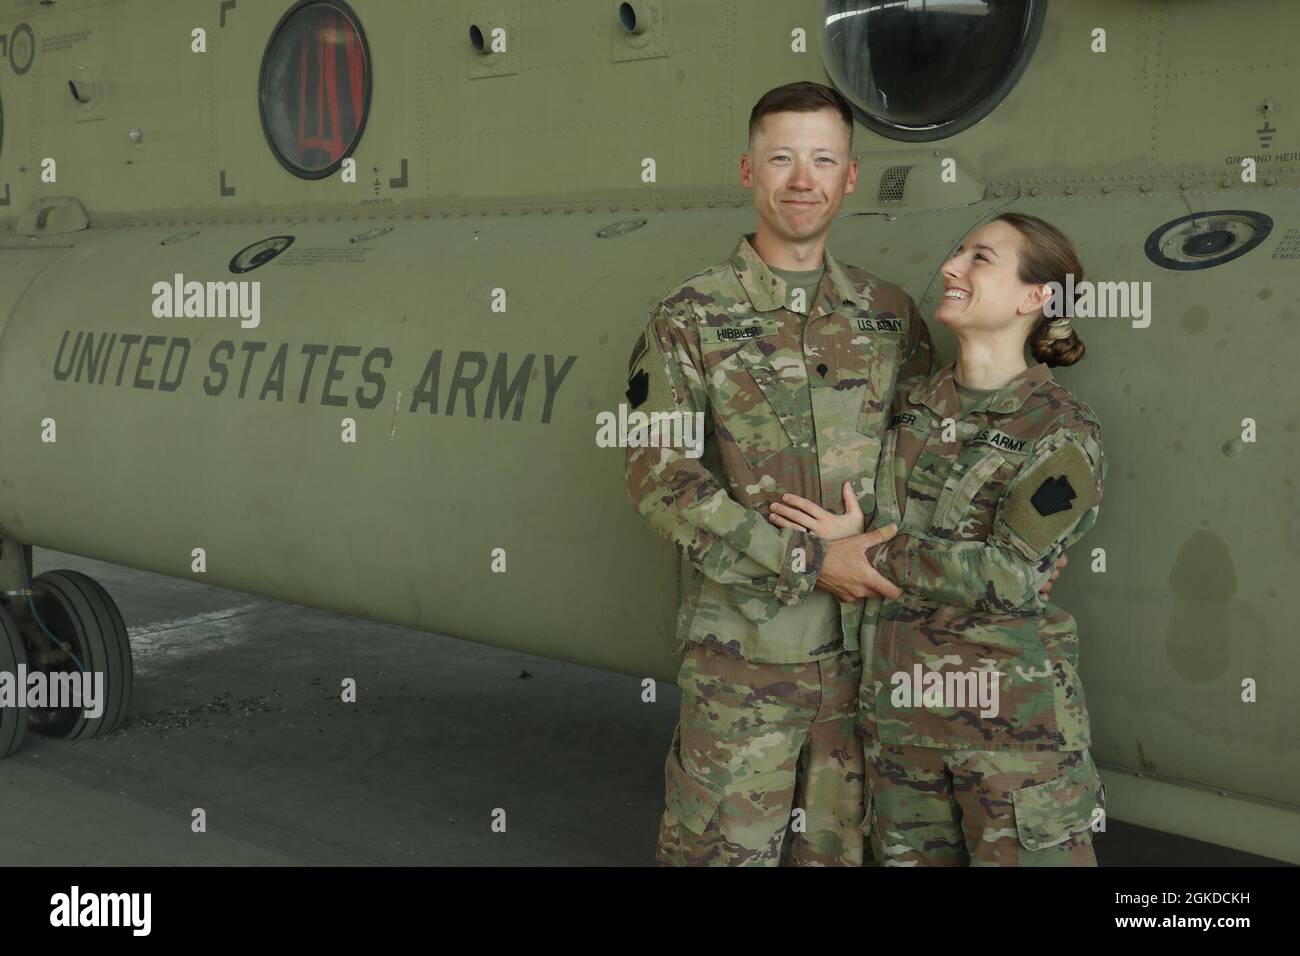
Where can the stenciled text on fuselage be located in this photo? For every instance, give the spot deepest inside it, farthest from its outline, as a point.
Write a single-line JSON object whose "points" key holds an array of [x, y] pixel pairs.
{"points": [[467, 383]]}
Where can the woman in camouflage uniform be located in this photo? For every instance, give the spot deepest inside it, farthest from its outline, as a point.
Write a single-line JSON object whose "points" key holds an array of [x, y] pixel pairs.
{"points": [[975, 727]]}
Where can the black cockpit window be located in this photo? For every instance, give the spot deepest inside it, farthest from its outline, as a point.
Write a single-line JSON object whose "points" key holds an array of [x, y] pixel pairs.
{"points": [[920, 70], [314, 90]]}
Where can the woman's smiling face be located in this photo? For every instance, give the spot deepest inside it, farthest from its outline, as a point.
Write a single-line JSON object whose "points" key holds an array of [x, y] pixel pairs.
{"points": [[982, 286]]}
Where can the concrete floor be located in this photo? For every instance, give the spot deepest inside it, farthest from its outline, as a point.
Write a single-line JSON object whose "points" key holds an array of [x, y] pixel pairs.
{"points": [[236, 710]]}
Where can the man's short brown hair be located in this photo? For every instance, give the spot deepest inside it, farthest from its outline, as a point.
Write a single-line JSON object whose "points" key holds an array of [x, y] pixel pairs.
{"points": [[802, 97]]}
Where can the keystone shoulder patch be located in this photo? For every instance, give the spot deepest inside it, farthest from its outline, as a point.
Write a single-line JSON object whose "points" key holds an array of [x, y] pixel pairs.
{"points": [[638, 388], [1053, 495], [1043, 505]]}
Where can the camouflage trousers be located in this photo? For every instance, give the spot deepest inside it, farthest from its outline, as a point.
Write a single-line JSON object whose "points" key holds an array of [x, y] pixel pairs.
{"points": [[931, 807], [765, 768]]}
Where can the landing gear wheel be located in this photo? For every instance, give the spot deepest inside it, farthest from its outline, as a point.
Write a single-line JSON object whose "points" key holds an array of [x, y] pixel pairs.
{"points": [[13, 720], [80, 614]]}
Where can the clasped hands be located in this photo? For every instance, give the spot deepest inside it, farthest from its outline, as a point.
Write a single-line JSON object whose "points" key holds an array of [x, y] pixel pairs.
{"points": [[847, 571]]}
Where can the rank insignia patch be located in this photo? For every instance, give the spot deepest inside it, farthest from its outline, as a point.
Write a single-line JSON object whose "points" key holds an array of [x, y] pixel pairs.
{"points": [[638, 351]]}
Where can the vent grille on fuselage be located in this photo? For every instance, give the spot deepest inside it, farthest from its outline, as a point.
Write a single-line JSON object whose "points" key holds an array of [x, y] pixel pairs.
{"points": [[892, 181]]}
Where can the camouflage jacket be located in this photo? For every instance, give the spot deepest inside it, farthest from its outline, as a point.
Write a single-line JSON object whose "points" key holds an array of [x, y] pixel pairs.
{"points": [[790, 403], [985, 506]]}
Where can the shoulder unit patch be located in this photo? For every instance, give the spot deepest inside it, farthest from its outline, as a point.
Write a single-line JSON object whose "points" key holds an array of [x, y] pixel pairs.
{"points": [[1043, 506]]}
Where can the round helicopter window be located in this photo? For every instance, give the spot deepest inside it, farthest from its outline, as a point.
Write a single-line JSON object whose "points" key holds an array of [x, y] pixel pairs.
{"points": [[314, 90], [920, 70]]}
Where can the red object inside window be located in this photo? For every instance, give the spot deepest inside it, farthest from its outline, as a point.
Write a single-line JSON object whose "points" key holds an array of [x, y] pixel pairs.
{"points": [[324, 87]]}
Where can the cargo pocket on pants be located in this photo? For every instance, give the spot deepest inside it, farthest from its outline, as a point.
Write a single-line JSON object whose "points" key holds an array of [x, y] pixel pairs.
{"points": [[693, 802], [1050, 813]]}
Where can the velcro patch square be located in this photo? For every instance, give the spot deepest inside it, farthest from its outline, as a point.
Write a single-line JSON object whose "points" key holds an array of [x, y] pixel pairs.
{"points": [[1044, 504]]}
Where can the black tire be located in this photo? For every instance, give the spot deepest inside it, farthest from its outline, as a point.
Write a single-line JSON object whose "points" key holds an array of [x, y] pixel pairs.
{"points": [[13, 720], [77, 610]]}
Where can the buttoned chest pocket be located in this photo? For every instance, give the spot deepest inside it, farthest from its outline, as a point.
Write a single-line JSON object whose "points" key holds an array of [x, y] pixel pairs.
{"points": [[875, 343], [752, 406], [965, 508]]}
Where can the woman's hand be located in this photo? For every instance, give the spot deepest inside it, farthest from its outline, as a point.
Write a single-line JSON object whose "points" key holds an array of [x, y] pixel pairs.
{"points": [[799, 512]]}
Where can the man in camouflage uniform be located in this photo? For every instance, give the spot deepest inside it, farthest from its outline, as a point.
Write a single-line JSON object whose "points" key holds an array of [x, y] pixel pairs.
{"points": [[795, 388]]}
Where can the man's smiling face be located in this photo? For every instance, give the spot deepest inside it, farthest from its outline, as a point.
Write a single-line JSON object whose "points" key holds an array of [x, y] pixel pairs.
{"points": [[800, 170]]}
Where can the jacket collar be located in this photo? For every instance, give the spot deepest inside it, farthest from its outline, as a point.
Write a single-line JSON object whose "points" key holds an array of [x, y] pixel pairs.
{"points": [[767, 291], [939, 394]]}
